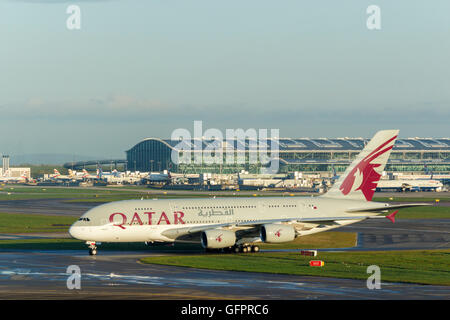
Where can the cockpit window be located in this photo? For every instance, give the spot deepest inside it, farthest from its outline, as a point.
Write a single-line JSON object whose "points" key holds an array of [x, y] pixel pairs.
{"points": [[84, 219]]}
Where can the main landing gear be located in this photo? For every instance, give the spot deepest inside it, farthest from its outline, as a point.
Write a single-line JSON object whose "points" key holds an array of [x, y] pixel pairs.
{"points": [[92, 248], [246, 248]]}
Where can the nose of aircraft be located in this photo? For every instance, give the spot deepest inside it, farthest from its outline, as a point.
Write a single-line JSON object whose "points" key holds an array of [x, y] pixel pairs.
{"points": [[76, 231], [72, 231]]}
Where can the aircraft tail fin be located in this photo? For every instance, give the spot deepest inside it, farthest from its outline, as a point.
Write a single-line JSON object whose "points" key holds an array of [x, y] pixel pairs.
{"points": [[360, 179]]}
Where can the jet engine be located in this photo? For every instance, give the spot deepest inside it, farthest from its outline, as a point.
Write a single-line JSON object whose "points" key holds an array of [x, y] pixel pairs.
{"points": [[276, 233], [216, 239]]}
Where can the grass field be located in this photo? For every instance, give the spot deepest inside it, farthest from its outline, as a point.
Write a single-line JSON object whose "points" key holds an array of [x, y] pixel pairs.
{"points": [[106, 194], [432, 212], [431, 198], [34, 223], [100, 195], [329, 239], [109, 198], [321, 240], [26, 193], [424, 267]]}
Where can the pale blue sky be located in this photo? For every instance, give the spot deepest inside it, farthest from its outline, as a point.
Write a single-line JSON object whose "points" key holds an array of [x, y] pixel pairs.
{"points": [[143, 68]]}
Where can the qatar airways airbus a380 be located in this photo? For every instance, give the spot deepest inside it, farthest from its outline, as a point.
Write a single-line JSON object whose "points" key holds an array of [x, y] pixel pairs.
{"points": [[240, 223]]}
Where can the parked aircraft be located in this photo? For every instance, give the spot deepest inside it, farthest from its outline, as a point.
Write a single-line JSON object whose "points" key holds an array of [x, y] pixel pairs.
{"points": [[87, 175], [410, 185], [158, 177], [58, 176], [238, 224], [102, 174], [22, 178]]}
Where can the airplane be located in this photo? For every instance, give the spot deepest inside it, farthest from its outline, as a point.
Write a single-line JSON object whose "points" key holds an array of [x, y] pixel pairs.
{"points": [[58, 176], [239, 224], [101, 174], [410, 185], [157, 177], [22, 178], [87, 175]]}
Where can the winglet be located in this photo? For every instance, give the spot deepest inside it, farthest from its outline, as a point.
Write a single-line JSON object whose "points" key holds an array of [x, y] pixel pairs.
{"points": [[392, 216]]}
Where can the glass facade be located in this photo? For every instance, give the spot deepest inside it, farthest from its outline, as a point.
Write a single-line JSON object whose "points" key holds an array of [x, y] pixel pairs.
{"points": [[156, 155], [150, 155]]}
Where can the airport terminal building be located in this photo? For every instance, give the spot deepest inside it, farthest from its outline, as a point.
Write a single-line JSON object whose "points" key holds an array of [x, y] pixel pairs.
{"points": [[294, 154]]}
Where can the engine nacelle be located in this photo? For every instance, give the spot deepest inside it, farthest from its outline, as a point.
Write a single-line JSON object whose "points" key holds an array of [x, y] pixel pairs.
{"points": [[217, 239], [276, 233]]}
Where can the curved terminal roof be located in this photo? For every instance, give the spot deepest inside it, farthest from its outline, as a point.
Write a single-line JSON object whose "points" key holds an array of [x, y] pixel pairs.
{"points": [[309, 144], [285, 145]]}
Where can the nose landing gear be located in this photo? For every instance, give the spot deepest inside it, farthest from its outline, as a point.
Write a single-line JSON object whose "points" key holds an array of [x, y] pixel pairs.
{"points": [[92, 247]]}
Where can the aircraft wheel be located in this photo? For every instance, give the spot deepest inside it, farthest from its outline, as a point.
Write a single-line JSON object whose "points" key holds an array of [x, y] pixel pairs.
{"points": [[92, 251], [236, 250], [255, 249], [244, 249]]}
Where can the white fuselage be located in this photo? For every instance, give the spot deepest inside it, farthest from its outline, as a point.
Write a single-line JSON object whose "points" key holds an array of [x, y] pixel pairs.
{"points": [[147, 220]]}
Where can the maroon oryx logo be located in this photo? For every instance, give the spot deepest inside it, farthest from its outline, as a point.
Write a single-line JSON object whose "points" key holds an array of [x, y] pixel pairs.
{"points": [[219, 237], [366, 169], [278, 233]]}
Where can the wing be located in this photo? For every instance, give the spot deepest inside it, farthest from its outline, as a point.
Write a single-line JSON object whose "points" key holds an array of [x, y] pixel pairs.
{"points": [[249, 228]]}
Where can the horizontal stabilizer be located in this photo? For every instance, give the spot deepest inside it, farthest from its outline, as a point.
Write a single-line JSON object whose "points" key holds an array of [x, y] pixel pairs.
{"points": [[392, 216]]}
